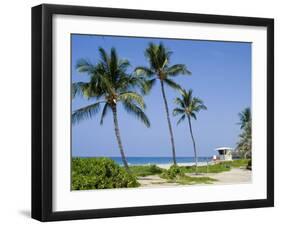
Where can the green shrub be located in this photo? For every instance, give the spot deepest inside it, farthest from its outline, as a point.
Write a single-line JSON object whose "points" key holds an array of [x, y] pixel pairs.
{"points": [[100, 173], [145, 170], [173, 172], [176, 174]]}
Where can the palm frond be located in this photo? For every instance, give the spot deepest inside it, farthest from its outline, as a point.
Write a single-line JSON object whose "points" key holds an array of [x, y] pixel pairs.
{"points": [[163, 55], [180, 102], [151, 53], [147, 85], [178, 111], [84, 66], [113, 64], [101, 81], [123, 64], [198, 104], [133, 109], [104, 58], [181, 119], [85, 112], [128, 82], [187, 96], [143, 71], [245, 117], [79, 89], [193, 115], [132, 96], [104, 112], [197, 101], [198, 108], [178, 69], [172, 84]]}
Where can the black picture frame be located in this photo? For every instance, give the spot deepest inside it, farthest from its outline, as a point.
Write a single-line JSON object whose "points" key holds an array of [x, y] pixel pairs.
{"points": [[42, 111]]}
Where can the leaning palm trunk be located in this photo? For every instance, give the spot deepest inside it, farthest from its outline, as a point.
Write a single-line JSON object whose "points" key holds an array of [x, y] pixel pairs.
{"points": [[169, 123], [194, 146], [118, 137]]}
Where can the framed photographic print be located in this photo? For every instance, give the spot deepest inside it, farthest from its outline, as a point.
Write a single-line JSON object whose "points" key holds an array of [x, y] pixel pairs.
{"points": [[145, 112]]}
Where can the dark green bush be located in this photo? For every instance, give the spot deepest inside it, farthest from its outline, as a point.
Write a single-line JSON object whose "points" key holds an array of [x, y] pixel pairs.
{"points": [[99, 173]]}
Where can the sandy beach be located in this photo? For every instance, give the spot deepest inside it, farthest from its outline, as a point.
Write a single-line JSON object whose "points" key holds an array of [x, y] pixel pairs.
{"points": [[234, 176]]}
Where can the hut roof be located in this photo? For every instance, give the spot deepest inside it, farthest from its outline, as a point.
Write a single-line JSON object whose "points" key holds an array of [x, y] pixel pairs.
{"points": [[224, 148]]}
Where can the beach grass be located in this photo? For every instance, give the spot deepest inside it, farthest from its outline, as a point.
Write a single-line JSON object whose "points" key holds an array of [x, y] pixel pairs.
{"points": [[177, 174], [218, 167], [145, 170], [239, 162]]}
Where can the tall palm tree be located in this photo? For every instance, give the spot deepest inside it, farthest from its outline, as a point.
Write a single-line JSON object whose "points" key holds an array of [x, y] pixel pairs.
{"points": [[109, 84], [158, 57], [188, 107]]}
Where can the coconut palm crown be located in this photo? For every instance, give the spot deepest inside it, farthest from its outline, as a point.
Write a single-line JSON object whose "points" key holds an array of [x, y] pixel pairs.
{"points": [[187, 107], [109, 84], [245, 118], [158, 57]]}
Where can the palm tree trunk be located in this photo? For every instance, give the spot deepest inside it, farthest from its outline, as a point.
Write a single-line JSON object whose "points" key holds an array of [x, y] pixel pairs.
{"points": [[118, 137], [169, 123], [194, 146]]}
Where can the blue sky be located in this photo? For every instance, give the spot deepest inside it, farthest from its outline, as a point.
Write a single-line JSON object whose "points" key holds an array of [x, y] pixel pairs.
{"points": [[221, 77]]}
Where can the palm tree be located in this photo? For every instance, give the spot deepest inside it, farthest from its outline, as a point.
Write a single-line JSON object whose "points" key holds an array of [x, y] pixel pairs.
{"points": [[158, 57], [109, 84], [244, 145], [188, 107], [245, 117]]}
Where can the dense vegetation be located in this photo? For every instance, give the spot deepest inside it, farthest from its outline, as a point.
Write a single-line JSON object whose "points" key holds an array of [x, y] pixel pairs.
{"points": [[100, 173]]}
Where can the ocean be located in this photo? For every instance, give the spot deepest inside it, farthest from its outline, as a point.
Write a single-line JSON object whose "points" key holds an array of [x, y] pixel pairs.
{"points": [[157, 160]]}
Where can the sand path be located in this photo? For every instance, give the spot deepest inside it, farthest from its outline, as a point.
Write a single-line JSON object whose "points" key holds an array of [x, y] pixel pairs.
{"points": [[154, 181], [234, 176]]}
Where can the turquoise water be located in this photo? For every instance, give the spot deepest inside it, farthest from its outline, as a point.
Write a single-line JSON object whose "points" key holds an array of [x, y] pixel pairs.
{"points": [[158, 160]]}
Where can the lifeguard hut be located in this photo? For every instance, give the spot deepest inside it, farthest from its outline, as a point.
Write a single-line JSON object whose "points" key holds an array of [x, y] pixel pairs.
{"points": [[225, 153]]}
